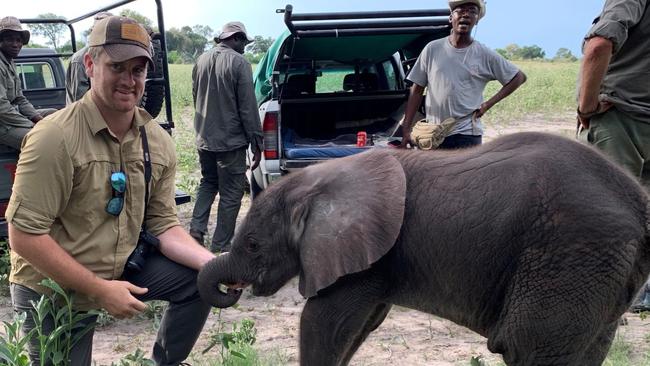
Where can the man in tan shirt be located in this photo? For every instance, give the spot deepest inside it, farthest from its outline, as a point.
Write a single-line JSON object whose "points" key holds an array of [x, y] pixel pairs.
{"points": [[78, 203]]}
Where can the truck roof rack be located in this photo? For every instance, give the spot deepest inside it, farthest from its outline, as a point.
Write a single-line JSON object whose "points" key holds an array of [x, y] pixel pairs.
{"points": [[341, 24]]}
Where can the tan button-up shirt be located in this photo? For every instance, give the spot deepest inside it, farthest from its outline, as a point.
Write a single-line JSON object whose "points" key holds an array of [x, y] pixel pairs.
{"points": [[63, 184], [15, 109]]}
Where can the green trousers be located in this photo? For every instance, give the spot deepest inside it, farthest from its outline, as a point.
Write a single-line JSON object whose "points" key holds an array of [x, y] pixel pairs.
{"points": [[624, 139]]}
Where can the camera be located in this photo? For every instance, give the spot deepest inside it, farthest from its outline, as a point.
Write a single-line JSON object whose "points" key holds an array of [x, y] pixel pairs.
{"points": [[147, 242]]}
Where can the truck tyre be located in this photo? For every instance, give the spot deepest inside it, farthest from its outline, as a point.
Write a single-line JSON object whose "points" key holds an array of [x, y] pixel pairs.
{"points": [[154, 92]]}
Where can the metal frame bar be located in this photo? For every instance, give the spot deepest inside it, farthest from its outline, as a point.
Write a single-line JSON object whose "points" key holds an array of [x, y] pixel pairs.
{"points": [[384, 22], [163, 44]]}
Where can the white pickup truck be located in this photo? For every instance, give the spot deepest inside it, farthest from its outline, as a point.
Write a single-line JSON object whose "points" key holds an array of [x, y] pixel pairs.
{"points": [[332, 77]]}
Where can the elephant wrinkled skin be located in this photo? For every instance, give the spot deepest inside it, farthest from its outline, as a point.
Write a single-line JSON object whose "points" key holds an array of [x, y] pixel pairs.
{"points": [[534, 241]]}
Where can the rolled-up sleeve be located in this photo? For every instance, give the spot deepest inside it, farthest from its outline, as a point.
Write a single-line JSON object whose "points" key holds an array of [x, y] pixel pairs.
{"points": [[248, 112], [617, 18], [43, 158]]}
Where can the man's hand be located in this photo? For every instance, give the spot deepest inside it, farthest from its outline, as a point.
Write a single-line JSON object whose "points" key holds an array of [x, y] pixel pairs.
{"points": [[584, 118], [482, 110], [116, 297], [406, 138], [257, 157], [37, 118]]}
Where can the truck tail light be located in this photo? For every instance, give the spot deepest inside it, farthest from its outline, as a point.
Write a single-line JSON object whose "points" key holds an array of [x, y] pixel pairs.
{"points": [[270, 129]]}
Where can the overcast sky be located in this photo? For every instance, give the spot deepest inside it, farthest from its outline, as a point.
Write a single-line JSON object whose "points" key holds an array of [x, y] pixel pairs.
{"points": [[550, 24]]}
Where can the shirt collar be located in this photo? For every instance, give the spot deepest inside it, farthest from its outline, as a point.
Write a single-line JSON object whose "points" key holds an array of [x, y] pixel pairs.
{"points": [[96, 121]]}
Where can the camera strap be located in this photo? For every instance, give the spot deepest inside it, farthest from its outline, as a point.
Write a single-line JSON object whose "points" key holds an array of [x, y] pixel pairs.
{"points": [[147, 171]]}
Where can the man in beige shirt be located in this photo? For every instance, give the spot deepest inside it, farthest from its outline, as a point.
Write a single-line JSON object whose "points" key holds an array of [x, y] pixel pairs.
{"points": [[79, 198]]}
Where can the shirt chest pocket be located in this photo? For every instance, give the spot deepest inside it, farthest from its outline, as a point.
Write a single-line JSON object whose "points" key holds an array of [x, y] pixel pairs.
{"points": [[11, 89], [468, 75]]}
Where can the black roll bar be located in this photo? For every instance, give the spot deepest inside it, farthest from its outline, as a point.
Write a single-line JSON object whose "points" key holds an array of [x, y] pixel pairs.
{"points": [[339, 24]]}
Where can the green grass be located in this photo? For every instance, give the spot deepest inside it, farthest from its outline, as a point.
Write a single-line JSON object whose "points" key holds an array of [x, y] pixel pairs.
{"points": [[550, 90]]}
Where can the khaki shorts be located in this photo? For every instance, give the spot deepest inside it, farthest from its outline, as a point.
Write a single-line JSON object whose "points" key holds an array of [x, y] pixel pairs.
{"points": [[624, 139]]}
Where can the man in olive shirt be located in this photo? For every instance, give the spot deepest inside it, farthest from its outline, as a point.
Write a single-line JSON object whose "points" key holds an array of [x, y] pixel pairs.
{"points": [[17, 114], [614, 90], [226, 122], [78, 204]]}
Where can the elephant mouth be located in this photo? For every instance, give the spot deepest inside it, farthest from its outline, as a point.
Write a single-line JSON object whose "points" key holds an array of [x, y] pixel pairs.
{"points": [[232, 289]]}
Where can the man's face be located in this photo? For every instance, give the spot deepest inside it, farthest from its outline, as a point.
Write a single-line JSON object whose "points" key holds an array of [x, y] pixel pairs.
{"points": [[240, 43], [117, 86], [464, 17], [10, 44]]}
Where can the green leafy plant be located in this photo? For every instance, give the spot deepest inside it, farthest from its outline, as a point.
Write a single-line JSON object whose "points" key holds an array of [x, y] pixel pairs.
{"points": [[136, 358], [236, 344], [5, 266], [12, 346], [154, 311], [55, 346]]}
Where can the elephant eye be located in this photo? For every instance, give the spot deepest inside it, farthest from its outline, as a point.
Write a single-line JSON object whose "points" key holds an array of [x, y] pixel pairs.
{"points": [[252, 246]]}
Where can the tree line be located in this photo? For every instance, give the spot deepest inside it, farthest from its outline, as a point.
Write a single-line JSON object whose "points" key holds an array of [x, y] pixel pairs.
{"points": [[184, 45], [515, 52]]}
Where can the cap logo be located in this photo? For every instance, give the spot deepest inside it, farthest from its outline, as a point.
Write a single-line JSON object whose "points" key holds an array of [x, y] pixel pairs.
{"points": [[133, 32]]}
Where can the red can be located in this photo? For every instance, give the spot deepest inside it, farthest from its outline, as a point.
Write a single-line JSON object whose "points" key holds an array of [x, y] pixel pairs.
{"points": [[361, 138]]}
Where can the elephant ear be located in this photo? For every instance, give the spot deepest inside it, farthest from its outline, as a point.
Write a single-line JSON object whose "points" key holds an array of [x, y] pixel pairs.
{"points": [[347, 216]]}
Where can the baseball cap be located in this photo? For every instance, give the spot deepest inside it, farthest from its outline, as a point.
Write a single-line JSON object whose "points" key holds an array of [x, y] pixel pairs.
{"points": [[453, 4], [122, 39], [101, 15], [232, 28], [12, 24]]}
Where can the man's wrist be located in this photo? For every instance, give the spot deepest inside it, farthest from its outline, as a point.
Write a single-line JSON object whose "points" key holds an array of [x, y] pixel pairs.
{"points": [[588, 115]]}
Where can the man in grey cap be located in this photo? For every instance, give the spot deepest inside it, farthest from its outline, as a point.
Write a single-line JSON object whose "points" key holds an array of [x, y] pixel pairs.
{"points": [[17, 114], [76, 80], [226, 121], [456, 70], [91, 181]]}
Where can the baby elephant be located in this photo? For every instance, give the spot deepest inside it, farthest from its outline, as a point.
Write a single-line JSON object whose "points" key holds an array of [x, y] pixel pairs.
{"points": [[534, 241]]}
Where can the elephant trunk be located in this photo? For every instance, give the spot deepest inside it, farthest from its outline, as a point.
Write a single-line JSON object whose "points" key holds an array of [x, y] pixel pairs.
{"points": [[220, 282]]}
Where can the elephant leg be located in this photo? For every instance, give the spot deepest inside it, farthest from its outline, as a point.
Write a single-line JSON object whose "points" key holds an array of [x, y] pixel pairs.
{"points": [[555, 313], [335, 323], [598, 350]]}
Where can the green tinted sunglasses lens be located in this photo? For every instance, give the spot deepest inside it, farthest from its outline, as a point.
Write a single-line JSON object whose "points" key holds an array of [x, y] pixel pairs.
{"points": [[118, 181], [114, 205]]}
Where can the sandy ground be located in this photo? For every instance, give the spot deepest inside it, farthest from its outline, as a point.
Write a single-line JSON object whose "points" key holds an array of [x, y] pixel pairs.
{"points": [[406, 337]]}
